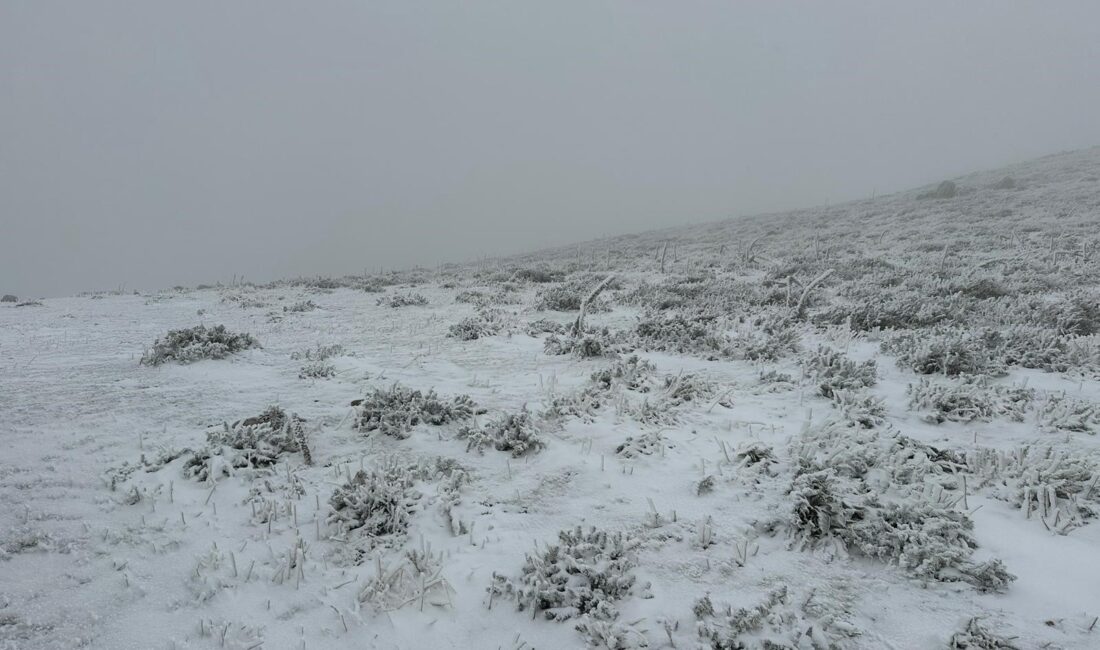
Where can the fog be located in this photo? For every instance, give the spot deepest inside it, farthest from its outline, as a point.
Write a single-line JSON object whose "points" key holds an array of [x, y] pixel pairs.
{"points": [[149, 144]]}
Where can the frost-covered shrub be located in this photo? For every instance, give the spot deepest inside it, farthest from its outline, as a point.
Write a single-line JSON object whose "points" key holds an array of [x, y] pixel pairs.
{"points": [[601, 634], [677, 333], [514, 433], [779, 622], [9, 298], [303, 306], [402, 300], [566, 298], [586, 573], [543, 326], [943, 353], [770, 340], [317, 370], [865, 410], [646, 444], [397, 410], [1078, 313], [976, 636], [835, 372], [319, 353], [256, 442], [968, 400], [486, 322], [593, 343], [1061, 413], [377, 503], [632, 373], [1060, 488], [195, 343], [689, 387], [927, 540]]}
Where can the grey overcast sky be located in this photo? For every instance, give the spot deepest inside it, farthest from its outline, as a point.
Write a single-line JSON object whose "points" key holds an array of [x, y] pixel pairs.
{"points": [[159, 143]]}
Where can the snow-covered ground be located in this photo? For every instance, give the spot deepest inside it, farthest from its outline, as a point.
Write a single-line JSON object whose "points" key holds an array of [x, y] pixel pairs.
{"points": [[105, 542]]}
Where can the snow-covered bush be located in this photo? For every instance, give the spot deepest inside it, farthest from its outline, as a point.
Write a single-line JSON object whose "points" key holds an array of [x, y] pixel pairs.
{"points": [[299, 307], [769, 339], [778, 622], [486, 322], [256, 442], [632, 373], [397, 410], [1059, 487], [317, 366], [402, 300], [543, 326], [678, 333], [835, 372], [317, 370], [976, 636], [567, 298], [378, 502], [859, 408], [645, 444], [514, 433], [943, 352], [587, 572], [1061, 413], [593, 343], [689, 387], [968, 400], [195, 343], [9, 298]]}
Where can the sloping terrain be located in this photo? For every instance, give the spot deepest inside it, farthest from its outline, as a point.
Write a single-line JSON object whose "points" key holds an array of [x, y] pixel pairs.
{"points": [[870, 425]]}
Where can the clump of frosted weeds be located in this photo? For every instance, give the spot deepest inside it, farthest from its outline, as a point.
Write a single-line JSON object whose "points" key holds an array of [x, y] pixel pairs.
{"points": [[567, 298], [486, 322], [835, 372], [402, 300], [778, 622], [195, 343], [416, 580], [976, 636], [1058, 488], [317, 365], [515, 433], [300, 307], [1061, 413], [943, 352], [593, 343], [586, 573], [877, 496], [865, 410], [646, 444], [397, 410], [253, 443], [631, 373], [378, 503], [972, 398]]}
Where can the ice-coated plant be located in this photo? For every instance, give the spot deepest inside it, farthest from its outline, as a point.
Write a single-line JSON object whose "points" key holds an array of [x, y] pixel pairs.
{"points": [[255, 443], [778, 622], [515, 433], [486, 322], [1061, 413], [977, 636], [397, 300], [397, 410], [630, 373], [972, 398], [378, 502], [1056, 487], [835, 372], [585, 573], [195, 343], [645, 444]]}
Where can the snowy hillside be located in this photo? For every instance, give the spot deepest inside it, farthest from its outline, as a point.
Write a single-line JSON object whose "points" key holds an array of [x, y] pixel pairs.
{"points": [[870, 425]]}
